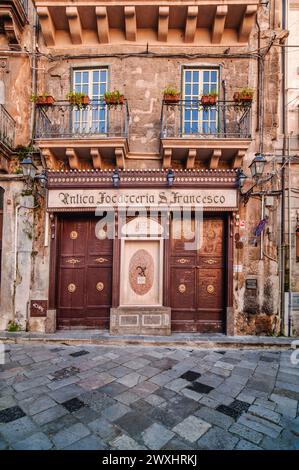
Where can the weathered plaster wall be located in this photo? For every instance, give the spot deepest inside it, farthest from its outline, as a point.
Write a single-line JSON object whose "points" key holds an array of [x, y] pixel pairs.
{"points": [[18, 232]]}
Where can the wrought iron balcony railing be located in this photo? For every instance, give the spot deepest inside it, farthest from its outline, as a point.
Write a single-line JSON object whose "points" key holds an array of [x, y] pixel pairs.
{"points": [[190, 119], [62, 120], [7, 128]]}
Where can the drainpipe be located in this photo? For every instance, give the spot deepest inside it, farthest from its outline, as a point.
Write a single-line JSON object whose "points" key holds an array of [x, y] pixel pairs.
{"points": [[33, 71], [258, 75], [289, 240], [283, 211], [224, 107]]}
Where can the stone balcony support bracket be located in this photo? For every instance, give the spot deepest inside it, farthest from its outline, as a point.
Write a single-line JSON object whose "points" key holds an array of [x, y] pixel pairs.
{"points": [[238, 160], [191, 159], [120, 158], [215, 157], [47, 25], [96, 158], [130, 22], [167, 154], [163, 24], [191, 22], [247, 23], [73, 159], [75, 26], [102, 25], [50, 160], [219, 23]]}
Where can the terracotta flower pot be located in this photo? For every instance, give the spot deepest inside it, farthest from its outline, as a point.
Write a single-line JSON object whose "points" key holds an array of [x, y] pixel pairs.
{"points": [[238, 98], [212, 100], [112, 101], [172, 99], [50, 100], [45, 100], [41, 100], [208, 100], [85, 100], [246, 98]]}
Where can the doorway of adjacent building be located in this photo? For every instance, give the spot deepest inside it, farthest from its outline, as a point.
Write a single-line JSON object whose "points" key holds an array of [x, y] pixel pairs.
{"points": [[84, 295], [197, 277]]}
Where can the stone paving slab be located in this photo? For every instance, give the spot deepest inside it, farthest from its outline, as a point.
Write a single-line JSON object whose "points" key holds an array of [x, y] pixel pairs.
{"points": [[147, 397]]}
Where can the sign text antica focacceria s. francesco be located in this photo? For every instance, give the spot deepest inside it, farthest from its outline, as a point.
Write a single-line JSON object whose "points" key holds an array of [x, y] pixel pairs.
{"points": [[140, 197]]}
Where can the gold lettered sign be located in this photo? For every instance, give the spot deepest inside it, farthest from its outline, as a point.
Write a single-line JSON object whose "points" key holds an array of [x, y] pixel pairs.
{"points": [[70, 199]]}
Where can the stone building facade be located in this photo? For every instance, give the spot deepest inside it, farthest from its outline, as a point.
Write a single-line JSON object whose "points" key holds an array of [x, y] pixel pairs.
{"points": [[288, 145], [148, 155]]}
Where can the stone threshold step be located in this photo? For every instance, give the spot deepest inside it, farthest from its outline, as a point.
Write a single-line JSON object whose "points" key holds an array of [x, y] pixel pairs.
{"points": [[79, 337]]}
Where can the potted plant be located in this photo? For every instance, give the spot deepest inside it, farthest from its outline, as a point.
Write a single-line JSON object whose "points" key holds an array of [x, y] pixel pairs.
{"points": [[171, 95], [209, 99], [78, 99], [245, 95], [114, 97], [43, 99]]}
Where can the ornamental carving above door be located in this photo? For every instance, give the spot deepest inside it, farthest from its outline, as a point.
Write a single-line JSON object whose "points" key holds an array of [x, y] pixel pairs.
{"points": [[141, 272]]}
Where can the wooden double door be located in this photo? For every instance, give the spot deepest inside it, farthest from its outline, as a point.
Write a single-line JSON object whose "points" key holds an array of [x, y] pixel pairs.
{"points": [[84, 287], [197, 276]]}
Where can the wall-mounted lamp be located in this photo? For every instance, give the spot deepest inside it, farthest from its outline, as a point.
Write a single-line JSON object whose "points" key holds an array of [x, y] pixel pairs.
{"points": [[241, 178], [28, 168], [29, 172], [170, 177], [42, 178], [257, 166], [115, 178]]}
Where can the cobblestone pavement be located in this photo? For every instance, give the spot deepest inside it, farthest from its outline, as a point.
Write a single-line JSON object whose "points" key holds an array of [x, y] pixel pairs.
{"points": [[100, 397]]}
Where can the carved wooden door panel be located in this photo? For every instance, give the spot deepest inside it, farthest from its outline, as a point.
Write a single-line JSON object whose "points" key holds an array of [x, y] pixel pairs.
{"points": [[211, 274], [84, 274], [196, 279]]}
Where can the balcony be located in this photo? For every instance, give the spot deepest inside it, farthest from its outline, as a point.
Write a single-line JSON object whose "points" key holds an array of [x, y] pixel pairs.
{"points": [[224, 22], [13, 19], [7, 137], [82, 138], [194, 135]]}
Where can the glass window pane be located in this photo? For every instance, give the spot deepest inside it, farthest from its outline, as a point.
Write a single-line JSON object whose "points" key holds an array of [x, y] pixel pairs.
{"points": [[95, 77], [214, 76], [103, 88], [195, 89], [187, 89], [77, 77], [188, 76], [206, 76], [103, 76], [194, 128], [196, 76], [95, 89], [85, 77], [187, 127]]}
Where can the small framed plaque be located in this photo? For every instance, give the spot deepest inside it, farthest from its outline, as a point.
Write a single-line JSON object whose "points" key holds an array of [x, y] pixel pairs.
{"points": [[251, 284]]}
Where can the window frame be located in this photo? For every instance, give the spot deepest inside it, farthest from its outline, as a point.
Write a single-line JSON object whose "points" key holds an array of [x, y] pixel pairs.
{"points": [[201, 69], [100, 101]]}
